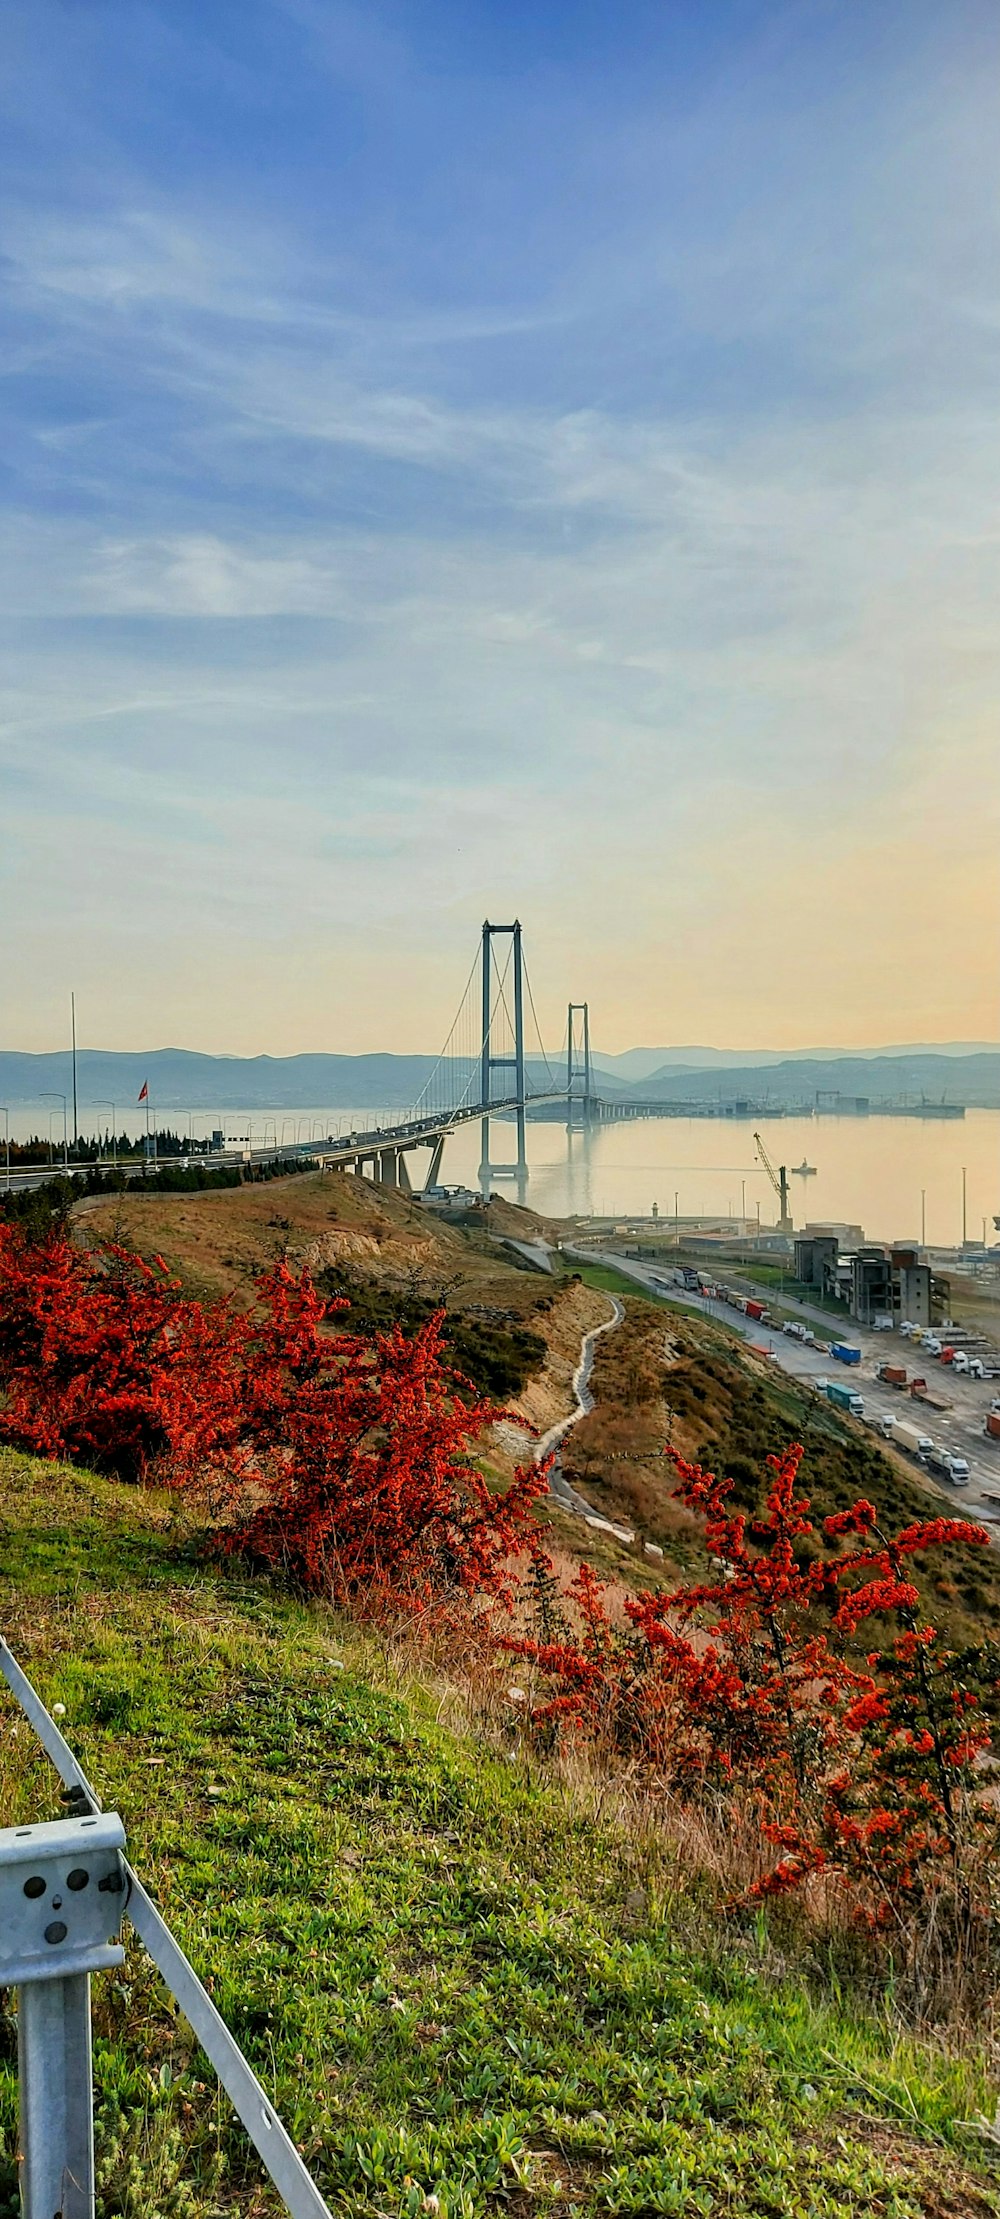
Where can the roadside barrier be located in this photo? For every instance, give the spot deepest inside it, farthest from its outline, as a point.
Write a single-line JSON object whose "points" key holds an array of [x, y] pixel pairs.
{"points": [[65, 1887]]}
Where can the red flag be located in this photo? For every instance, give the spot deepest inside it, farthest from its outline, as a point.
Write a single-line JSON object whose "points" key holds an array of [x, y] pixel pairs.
{"points": [[144, 1096]]}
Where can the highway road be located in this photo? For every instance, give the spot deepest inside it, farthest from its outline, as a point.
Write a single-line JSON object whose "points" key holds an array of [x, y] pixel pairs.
{"points": [[959, 1427]]}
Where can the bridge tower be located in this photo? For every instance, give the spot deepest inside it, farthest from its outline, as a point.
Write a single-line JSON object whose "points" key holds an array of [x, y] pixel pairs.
{"points": [[579, 1077], [496, 1038]]}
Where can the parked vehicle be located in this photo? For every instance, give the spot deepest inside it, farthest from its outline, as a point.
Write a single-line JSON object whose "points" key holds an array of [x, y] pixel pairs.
{"points": [[893, 1374], [992, 1426], [844, 1353], [881, 1324], [960, 1361], [845, 1398], [977, 1369], [910, 1438], [931, 1345], [947, 1353], [754, 1309], [951, 1467]]}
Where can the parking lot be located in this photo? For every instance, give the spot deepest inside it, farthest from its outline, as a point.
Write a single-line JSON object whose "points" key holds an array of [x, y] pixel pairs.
{"points": [[958, 1426]]}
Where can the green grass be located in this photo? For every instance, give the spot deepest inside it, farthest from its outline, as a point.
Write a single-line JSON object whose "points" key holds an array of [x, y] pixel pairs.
{"points": [[455, 1981], [611, 1281]]}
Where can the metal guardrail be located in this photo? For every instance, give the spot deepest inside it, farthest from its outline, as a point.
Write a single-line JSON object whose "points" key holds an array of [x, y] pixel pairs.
{"points": [[75, 1868]]}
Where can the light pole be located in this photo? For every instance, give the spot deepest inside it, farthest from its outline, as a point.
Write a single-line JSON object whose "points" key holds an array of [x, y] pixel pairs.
{"points": [[963, 1207], [923, 1217], [677, 1222], [52, 1094], [6, 1124], [743, 1209], [114, 1128]]}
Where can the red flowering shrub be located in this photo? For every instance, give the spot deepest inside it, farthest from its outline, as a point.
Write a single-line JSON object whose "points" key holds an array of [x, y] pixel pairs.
{"points": [[344, 1460], [864, 1769], [103, 1359]]}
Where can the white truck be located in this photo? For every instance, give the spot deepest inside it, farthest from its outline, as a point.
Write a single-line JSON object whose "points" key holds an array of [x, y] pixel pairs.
{"points": [[953, 1468], [910, 1438]]}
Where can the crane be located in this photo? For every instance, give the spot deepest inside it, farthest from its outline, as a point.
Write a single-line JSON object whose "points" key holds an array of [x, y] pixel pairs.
{"points": [[779, 1181]]}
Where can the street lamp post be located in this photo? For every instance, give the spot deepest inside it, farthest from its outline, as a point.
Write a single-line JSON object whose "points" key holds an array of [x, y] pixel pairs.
{"points": [[964, 1235], [6, 1127], [114, 1128], [923, 1217], [52, 1094]]}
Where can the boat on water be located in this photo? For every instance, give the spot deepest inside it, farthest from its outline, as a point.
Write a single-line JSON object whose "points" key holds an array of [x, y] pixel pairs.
{"points": [[804, 1170]]}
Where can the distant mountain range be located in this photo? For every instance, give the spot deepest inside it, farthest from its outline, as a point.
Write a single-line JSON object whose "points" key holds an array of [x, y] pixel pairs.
{"points": [[643, 1063], [179, 1079]]}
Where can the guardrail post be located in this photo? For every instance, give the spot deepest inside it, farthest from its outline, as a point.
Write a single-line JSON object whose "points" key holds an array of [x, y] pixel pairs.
{"points": [[62, 1890], [56, 2098]]}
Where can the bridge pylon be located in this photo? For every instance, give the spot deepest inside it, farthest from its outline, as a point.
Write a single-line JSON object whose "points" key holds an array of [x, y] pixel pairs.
{"points": [[579, 1074], [496, 1038]]}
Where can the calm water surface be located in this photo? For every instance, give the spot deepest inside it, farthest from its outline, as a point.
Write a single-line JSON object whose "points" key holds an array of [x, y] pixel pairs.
{"points": [[870, 1171]]}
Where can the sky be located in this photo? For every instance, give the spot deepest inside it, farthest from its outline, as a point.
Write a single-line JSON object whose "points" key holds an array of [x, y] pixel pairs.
{"points": [[473, 458]]}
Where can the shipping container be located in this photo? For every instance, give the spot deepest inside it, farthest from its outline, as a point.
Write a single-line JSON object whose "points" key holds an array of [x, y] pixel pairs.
{"points": [[754, 1309], [844, 1353], [893, 1374], [993, 1424]]}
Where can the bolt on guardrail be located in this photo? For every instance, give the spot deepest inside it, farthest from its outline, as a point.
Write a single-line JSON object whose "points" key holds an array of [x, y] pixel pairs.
{"points": [[64, 1888]]}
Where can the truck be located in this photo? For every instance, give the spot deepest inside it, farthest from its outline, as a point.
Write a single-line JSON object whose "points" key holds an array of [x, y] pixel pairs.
{"points": [[893, 1374], [992, 1426], [844, 1353], [910, 1438], [845, 1398], [754, 1309], [951, 1467]]}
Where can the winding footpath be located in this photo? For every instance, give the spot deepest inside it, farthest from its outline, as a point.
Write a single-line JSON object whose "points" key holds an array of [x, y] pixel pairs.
{"points": [[551, 1442]]}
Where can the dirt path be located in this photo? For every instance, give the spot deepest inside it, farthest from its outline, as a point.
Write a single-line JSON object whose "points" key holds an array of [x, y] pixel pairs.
{"points": [[551, 1442]]}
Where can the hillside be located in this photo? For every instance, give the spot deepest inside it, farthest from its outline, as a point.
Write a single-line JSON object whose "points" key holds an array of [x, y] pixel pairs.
{"points": [[661, 1376], [463, 1979]]}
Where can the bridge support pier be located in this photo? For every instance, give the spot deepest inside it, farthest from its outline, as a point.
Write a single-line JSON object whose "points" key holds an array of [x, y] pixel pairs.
{"points": [[490, 1062], [434, 1167], [579, 1076]]}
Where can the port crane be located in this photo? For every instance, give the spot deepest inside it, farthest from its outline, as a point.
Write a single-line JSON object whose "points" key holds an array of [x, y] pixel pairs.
{"points": [[779, 1181]]}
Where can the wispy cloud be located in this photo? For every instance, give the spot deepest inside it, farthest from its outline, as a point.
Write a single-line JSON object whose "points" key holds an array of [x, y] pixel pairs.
{"points": [[531, 485]]}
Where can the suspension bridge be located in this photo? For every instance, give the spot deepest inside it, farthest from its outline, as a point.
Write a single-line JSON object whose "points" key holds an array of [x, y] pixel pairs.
{"points": [[493, 1066]]}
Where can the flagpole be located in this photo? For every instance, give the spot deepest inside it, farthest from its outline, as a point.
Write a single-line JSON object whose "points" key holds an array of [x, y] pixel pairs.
{"points": [[76, 1127]]}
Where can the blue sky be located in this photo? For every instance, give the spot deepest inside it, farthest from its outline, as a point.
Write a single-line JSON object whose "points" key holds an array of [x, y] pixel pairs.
{"points": [[466, 459]]}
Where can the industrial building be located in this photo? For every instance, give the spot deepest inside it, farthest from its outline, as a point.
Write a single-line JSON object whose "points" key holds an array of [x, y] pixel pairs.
{"points": [[872, 1281]]}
